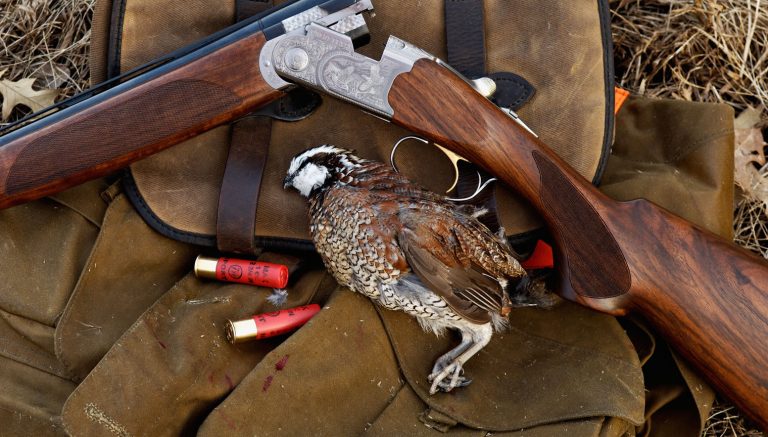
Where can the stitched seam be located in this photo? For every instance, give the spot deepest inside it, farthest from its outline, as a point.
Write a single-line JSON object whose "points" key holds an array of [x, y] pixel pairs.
{"points": [[82, 282], [76, 211], [101, 364], [389, 403], [609, 125], [582, 414], [569, 346], [7, 353], [51, 423], [18, 359], [697, 145], [520, 85]]}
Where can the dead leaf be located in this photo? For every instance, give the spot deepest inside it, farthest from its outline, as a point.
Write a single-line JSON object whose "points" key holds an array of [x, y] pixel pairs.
{"points": [[53, 75], [748, 118], [21, 93], [749, 150]]}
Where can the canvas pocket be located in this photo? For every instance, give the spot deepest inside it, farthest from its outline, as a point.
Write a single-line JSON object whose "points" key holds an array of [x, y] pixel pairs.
{"points": [[174, 364], [43, 246], [356, 369]]}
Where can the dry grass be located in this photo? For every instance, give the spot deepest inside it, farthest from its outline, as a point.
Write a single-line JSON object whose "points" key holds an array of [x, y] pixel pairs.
{"points": [[47, 40], [700, 50], [725, 421]]}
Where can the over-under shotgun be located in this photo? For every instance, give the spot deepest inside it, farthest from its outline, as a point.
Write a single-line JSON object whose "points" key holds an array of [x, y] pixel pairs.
{"points": [[708, 297]]}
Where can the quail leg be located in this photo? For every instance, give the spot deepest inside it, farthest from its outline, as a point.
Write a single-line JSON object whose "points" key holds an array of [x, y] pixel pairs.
{"points": [[444, 362], [447, 372]]}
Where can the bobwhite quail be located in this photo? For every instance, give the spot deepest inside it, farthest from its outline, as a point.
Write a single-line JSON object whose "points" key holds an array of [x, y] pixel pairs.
{"points": [[409, 249]]}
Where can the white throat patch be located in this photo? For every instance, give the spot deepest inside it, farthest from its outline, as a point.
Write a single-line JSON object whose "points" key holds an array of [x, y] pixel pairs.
{"points": [[309, 178]]}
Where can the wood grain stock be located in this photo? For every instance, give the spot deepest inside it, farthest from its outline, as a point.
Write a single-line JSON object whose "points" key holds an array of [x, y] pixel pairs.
{"points": [[708, 297], [132, 121]]}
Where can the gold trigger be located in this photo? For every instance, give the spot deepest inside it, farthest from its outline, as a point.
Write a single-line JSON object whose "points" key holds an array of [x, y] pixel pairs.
{"points": [[454, 158]]}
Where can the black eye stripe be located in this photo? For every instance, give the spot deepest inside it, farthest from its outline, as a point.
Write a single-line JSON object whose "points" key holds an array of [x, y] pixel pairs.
{"points": [[322, 159], [301, 167], [319, 160]]}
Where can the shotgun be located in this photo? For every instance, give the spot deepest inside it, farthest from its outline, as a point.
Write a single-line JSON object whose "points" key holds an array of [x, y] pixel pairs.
{"points": [[705, 295]]}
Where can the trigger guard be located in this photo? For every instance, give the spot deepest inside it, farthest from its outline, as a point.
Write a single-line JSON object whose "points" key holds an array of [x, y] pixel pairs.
{"points": [[397, 144], [480, 187], [480, 184]]}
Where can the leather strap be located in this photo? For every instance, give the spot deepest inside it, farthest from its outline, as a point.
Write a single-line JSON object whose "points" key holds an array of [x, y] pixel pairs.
{"points": [[240, 187], [465, 36], [465, 44], [467, 185], [247, 158], [512, 91], [465, 40], [239, 195]]}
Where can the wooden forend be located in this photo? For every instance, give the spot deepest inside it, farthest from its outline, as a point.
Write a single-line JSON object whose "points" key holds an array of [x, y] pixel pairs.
{"points": [[132, 121]]}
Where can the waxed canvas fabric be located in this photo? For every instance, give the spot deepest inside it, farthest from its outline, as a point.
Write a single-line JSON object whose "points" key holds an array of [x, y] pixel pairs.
{"points": [[685, 163], [174, 368], [561, 55], [602, 378], [98, 56], [174, 362], [43, 247]]}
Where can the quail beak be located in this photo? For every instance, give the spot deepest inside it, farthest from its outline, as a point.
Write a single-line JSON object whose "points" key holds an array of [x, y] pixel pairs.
{"points": [[287, 182]]}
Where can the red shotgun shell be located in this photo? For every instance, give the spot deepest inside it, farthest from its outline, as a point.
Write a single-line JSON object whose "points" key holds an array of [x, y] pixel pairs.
{"points": [[270, 324], [242, 271]]}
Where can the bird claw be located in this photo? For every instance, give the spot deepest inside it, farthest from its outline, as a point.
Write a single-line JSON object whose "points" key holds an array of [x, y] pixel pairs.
{"points": [[447, 378]]}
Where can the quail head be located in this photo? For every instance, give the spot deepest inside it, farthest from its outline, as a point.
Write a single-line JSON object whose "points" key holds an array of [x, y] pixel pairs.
{"points": [[412, 250]]}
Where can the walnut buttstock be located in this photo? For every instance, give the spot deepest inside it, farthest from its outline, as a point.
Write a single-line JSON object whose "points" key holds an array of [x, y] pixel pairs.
{"points": [[140, 117], [708, 297]]}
